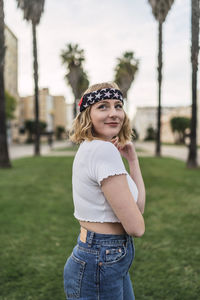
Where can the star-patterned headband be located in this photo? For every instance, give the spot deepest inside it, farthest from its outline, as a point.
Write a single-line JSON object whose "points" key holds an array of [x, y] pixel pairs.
{"points": [[96, 96]]}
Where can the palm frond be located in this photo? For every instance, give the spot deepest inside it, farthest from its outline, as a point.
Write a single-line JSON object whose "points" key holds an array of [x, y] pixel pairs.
{"points": [[32, 9], [160, 8], [125, 71]]}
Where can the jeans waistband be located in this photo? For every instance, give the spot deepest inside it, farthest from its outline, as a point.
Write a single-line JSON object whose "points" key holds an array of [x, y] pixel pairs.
{"points": [[92, 237]]}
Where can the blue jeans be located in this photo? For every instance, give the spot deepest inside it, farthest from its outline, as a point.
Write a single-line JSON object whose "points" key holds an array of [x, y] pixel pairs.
{"points": [[98, 269]]}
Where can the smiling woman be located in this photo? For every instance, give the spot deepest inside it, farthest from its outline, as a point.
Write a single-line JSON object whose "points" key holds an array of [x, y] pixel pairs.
{"points": [[83, 128], [108, 202], [107, 117]]}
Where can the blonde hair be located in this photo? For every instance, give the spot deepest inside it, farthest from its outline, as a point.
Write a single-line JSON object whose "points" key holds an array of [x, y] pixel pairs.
{"points": [[82, 128]]}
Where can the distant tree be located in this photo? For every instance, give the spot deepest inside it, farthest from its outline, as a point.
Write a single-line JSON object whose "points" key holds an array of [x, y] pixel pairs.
{"points": [[135, 134], [160, 9], [150, 134], [73, 57], [180, 125], [11, 104], [192, 155], [59, 131], [30, 127], [33, 10], [4, 157], [125, 71]]}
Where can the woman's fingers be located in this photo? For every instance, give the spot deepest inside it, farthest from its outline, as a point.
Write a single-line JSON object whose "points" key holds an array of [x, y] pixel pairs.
{"points": [[115, 140]]}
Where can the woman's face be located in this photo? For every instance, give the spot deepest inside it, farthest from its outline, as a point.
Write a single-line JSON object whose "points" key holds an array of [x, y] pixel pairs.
{"points": [[107, 118]]}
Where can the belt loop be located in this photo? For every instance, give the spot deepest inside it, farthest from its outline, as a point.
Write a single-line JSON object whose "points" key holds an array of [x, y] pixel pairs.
{"points": [[127, 238], [90, 239]]}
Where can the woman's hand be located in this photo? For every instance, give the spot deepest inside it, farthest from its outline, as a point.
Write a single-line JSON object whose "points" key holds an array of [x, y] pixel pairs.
{"points": [[127, 151]]}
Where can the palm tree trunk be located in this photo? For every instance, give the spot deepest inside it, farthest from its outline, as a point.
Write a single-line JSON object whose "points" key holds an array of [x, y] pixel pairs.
{"points": [[192, 156], [4, 157], [75, 108], [35, 67], [158, 150]]}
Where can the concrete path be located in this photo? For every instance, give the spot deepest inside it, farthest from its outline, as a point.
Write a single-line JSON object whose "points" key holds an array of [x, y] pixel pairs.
{"points": [[147, 149], [178, 152], [17, 151]]}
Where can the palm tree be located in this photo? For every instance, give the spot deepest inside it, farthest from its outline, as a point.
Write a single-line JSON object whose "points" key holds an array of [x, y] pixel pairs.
{"points": [[33, 10], [73, 58], [160, 9], [192, 156], [4, 157], [125, 71]]}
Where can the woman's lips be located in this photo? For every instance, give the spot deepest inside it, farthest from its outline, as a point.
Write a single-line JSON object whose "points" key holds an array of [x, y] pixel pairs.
{"points": [[112, 124]]}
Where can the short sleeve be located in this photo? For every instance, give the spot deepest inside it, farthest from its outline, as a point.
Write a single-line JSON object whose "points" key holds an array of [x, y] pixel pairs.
{"points": [[106, 161]]}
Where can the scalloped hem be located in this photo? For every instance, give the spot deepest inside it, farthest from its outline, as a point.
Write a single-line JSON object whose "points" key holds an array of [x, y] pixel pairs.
{"points": [[96, 221], [114, 174]]}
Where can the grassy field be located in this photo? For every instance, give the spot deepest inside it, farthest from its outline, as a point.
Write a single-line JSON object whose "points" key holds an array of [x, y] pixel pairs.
{"points": [[71, 148], [75, 148], [38, 230]]}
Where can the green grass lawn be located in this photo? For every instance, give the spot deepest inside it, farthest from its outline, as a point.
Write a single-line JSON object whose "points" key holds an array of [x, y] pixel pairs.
{"points": [[71, 148], [75, 148], [38, 230]]}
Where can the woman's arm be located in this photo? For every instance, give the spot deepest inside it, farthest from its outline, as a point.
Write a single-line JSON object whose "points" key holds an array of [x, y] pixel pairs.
{"points": [[136, 175], [128, 152], [120, 198]]}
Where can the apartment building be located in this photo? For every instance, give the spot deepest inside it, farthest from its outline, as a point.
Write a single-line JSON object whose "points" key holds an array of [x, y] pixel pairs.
{"points": [[147, 116], [11, 81], [52, 109]]}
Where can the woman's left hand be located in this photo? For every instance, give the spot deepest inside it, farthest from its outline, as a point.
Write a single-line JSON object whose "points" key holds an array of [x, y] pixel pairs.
{"points": [[127, 151]]}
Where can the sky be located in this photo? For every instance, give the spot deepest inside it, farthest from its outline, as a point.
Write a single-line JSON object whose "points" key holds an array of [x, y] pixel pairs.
{"points": [[105, 30]]}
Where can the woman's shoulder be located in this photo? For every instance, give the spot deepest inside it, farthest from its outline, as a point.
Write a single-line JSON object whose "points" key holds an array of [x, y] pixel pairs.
{"points": [[99, 150], [99, 145]]}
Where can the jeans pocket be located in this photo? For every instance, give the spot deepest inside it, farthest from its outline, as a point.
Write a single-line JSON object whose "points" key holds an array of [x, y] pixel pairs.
{"points": [[132, 253], [73, 274], [114, 253]]}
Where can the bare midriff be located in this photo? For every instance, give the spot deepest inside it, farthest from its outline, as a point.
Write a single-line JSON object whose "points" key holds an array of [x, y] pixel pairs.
{"points": [[105, 228]]}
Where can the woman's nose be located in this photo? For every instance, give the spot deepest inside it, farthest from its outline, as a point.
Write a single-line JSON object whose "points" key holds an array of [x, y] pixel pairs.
{"points": [[112, 112]]}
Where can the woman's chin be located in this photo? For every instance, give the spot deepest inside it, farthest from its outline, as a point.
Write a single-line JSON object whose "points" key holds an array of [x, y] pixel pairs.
{"points": [[108, 136]]}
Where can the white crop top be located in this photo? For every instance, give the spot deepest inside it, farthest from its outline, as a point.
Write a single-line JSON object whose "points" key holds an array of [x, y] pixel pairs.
{"points": [[93, 162]]}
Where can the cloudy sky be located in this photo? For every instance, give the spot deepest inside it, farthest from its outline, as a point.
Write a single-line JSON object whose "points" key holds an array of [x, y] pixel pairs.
{"points": [[105, 30]]}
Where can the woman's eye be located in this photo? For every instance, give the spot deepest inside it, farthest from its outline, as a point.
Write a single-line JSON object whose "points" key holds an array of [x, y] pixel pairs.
{"points": [[119, 106], [104, 106], [101, 106]]}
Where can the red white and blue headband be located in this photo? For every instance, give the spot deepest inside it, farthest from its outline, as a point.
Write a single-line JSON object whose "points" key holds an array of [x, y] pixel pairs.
{"points": [[96, 96]]}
